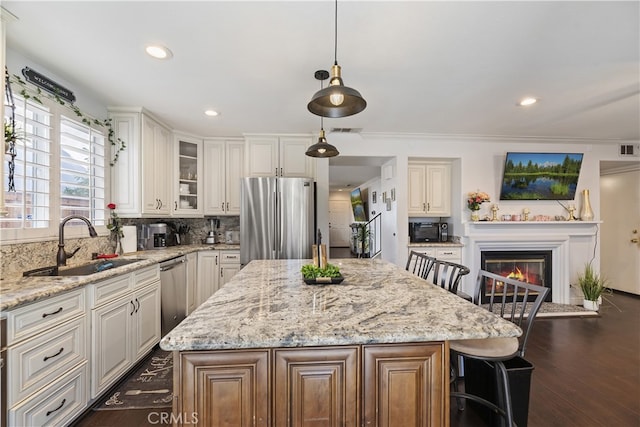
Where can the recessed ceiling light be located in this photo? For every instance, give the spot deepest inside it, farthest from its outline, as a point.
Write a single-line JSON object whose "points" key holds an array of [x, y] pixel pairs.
{"points": [[211, 113], [527, 101], [158, 52]]}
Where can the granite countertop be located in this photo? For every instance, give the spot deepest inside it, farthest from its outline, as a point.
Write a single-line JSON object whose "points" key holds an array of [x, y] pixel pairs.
{"points": [[267, 305], [17, 291]]}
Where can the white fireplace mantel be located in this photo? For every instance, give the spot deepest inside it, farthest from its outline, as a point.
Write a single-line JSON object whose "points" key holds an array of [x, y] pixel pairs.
{"points": [[571, 244]]}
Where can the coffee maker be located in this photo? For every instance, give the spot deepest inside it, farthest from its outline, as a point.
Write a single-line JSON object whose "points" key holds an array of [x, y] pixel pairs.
{"points": [[152, 236]]}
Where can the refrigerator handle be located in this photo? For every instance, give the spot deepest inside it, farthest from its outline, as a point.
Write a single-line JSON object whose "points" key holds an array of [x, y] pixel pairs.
{"points": [[275, 219]]}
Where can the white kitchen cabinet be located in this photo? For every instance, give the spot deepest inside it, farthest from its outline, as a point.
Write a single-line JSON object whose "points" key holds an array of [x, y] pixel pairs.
{"points": [[192, 282], [229, 265], [140, 179], [224, 160], [429, 192], [188, 183], [47, 353], [208, 270], [451, 254], [284, 156], [125, 316], [57, 403]]}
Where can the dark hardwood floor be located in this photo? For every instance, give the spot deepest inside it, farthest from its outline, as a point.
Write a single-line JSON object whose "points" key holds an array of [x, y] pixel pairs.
{"points": [[586, 374], [586, 370]]}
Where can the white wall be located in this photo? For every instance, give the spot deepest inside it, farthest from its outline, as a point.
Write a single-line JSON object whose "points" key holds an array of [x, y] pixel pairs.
{"points": [[477, 165]]}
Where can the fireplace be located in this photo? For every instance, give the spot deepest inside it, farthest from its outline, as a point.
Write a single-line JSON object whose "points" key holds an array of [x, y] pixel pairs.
{"points": [[533, 267]]}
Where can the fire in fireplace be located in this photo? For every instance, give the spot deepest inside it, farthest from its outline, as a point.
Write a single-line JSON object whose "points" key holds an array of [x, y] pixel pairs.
{"points": [[527, 266]]}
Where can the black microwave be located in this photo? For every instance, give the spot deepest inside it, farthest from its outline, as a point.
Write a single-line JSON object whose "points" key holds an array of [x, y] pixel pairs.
{"points": [[428, 232]]}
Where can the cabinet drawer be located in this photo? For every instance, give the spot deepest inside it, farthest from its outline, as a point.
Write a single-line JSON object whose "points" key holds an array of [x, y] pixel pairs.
{"points": [[108, 290], [449, 254], [55, 405], [40, 360], [423, 250], [146, 275], [229, 257], [42, 315]]}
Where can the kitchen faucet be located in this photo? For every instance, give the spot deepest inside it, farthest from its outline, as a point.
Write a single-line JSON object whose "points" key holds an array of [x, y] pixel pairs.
{"points": [[62, 255]]}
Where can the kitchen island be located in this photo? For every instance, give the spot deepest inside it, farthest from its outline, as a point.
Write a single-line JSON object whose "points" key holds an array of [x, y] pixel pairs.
{"points": [[269, 349]]}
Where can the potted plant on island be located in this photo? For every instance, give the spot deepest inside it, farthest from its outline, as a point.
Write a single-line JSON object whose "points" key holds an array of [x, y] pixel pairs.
{"points": [[592, 286]]}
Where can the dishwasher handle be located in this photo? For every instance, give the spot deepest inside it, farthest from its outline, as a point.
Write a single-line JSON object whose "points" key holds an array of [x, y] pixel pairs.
{"points": [[171, 265]]}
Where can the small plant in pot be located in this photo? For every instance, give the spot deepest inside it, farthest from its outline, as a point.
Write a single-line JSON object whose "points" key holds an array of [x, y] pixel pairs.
{"points": [[592, 286]]}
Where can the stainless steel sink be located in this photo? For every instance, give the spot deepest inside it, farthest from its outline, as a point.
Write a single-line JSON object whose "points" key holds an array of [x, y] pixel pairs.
{"points": [[81, 270]]}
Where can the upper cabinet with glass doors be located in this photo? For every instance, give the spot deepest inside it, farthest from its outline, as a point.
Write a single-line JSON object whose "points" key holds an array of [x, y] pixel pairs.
{"points": [[188, 190]]}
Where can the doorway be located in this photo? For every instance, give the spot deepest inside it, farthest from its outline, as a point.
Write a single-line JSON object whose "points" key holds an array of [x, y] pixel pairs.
{"points": [[620, 229], [339, 220]]}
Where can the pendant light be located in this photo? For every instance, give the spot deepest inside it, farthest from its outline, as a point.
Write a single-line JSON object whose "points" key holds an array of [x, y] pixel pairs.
{"points": [[322, 148], [337, 100]]}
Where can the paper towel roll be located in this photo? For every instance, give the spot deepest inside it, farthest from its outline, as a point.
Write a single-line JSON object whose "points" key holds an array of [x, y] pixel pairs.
{"points": [[130, 239]]}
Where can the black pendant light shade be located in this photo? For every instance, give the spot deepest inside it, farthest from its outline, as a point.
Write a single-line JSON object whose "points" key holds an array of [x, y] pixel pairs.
{"points": [[322, 148], [336, 100]]}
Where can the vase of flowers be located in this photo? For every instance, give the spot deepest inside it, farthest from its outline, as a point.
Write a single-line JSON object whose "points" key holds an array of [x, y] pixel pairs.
{"points": [[115, 226], [474, 200]]}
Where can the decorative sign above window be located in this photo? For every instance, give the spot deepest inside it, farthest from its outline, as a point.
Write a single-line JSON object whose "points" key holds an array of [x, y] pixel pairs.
{"points": [[48, 84]]}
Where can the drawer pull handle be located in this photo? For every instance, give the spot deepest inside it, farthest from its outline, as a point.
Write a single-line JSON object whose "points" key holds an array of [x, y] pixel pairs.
{"points": [[58, 408], [55, 355], [51, 314], [133, 310]]}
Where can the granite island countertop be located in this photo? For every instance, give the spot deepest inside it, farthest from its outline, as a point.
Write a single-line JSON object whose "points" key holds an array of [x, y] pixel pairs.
{"points": [[17, 291], [267, 305]]}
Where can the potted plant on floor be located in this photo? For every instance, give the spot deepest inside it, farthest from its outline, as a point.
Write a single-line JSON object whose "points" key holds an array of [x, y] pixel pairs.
{"points": [[592, 286]]}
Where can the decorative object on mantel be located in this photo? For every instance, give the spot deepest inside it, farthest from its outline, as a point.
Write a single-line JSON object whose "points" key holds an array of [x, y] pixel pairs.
{"points": [[115, 226], [526, 213], [117, 144], [586, 214], [474, 200], [494, 212], [592, 286]]}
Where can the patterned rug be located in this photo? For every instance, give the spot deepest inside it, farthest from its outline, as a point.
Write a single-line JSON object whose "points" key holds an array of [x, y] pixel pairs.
{"points": [[550, 310], [150, 386]]}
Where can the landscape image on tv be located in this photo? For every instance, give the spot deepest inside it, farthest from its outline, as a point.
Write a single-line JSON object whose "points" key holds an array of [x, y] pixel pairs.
{"points": [[540, 176]]}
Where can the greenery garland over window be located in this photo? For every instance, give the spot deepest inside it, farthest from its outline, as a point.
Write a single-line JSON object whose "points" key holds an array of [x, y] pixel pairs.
{"points": [[117, 144]]}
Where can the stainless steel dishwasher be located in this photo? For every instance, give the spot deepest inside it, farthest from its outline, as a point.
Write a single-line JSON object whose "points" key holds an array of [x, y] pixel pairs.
{"points": [[173, 298]]}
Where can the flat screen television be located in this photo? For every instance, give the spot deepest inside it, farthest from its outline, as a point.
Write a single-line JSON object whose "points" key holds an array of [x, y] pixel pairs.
{"points": [[540, 176], [357, 204]]}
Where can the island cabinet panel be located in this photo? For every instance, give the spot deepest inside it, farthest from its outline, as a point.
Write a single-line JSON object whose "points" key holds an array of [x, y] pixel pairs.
{"points": [[316, 387], [405, 385], [224, 388]]}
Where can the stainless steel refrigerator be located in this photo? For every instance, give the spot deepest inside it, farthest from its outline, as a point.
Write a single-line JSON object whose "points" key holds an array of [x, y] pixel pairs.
{"points": [[277, 218]]}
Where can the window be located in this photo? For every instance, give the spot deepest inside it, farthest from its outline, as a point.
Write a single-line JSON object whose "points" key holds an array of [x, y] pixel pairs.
{"points": [[59, 171], [82, 179]]}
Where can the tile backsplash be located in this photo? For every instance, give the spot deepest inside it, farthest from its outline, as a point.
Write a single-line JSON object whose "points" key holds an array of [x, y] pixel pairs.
{"points": [[19, 257]]}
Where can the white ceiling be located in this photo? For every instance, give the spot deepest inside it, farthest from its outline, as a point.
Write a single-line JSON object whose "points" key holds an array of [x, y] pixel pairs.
{"points": [[423, 67]]}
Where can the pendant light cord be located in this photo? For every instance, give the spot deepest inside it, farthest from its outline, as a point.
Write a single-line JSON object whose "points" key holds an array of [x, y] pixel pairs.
{"points": [[335, 36]]}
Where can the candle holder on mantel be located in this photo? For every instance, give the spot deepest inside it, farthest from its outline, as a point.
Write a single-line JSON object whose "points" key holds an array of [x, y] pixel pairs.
{"points": [[526, 213], [494, 212]]}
